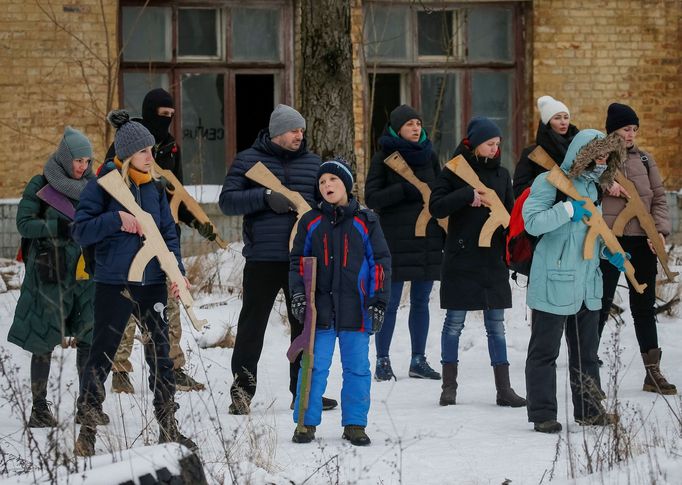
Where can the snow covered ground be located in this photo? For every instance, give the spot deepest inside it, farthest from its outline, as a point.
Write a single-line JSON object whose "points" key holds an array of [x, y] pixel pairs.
{"points": [[414, 440]]}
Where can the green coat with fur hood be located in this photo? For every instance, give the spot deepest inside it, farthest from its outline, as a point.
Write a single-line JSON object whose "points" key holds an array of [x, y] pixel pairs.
{"points": [[561, 281]]}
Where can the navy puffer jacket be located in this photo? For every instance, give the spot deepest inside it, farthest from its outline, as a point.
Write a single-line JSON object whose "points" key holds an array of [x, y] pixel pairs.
{"points": [[97, 222], [266, 233], [353, 264]]}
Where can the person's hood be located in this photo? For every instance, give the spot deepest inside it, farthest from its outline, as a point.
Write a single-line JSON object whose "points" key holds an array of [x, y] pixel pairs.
{"points": [[590, 144]]}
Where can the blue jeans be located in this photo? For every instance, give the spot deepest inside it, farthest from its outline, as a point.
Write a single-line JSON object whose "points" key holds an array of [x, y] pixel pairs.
{"points": [[357, 377], [418, 321], [494, 327]]}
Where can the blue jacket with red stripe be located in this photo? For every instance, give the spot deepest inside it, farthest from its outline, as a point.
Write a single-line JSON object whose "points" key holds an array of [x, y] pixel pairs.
{"points": [[353, 262]]}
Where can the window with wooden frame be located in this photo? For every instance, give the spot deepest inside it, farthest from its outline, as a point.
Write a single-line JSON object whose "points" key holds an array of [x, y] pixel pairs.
{"points": [[450, 61], [226, 64]]}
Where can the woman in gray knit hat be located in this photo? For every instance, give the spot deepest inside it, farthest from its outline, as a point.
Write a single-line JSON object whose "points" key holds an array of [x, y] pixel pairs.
{"points": [[117, 235], [55, 303]]}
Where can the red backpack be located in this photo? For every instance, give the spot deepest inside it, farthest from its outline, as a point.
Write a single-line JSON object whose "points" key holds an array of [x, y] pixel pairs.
{"points": [[520, 244]]}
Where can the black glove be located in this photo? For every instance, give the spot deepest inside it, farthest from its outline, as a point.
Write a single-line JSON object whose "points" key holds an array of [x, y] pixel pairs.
{"points": [[411, 192], [298, 304], [377, 311], [63, 228], [165, 183], [205, 229], [277, 202]]}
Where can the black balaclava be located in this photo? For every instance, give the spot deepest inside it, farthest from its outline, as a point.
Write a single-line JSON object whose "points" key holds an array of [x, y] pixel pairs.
{"points": [[157, 125]]}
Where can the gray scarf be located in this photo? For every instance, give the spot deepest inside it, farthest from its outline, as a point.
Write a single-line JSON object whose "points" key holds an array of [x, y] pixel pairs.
{"points": [[59, 174]]}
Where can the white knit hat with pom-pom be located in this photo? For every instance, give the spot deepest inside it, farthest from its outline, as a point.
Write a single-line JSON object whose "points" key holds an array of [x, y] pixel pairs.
{"points": [[548, 107]]}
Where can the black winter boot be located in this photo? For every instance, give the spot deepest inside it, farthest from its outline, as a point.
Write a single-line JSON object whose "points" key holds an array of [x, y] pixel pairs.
{"points": [[305, 435], [654, 380], [449, 395], [505, 394], [41, 415], [168, 427]]}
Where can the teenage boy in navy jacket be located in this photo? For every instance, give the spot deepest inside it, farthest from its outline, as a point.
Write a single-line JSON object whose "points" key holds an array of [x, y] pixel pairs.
{"points": [[353, 262]]}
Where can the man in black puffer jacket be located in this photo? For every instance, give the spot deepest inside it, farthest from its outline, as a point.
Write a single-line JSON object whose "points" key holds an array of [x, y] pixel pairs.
{"points": [[268, 221]]}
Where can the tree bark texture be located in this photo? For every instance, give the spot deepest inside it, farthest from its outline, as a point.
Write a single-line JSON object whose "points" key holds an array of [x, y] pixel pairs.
{"points": [[326, 78]]}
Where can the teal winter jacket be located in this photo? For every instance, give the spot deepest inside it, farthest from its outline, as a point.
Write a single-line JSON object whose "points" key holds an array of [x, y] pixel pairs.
{"points": [[561, 281]]}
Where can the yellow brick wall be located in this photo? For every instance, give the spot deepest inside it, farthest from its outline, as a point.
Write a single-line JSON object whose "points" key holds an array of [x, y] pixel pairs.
{"points": [[591, 53], [44, 64]]}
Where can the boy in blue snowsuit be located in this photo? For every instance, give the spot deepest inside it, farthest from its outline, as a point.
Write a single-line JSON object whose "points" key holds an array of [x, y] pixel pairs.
{"points": [[353, 262]]}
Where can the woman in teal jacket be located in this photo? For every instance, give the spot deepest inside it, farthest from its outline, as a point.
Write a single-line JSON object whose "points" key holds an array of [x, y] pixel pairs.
{"points": [[564, 289], [54, 302]]}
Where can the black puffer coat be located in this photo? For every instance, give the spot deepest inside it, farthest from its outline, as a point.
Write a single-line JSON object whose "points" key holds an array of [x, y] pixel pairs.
{"points": [[412, 258], [472, 277], [553, 143], [266, 233]]}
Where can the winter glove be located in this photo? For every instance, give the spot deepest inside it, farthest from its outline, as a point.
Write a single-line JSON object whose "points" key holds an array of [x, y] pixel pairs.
{"points": [[377, 312], [277, 202], [411, 192], [63, 228], [618, 259], [166, 184], [298, 305], [205, 229], [579, 211]]}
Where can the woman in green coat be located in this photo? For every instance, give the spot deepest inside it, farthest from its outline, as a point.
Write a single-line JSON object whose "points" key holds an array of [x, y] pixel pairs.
{"points": [[56, 299]]}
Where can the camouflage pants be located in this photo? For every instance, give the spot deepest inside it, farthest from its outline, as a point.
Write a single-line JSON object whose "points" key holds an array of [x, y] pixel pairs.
{"points": [[122, 359]]}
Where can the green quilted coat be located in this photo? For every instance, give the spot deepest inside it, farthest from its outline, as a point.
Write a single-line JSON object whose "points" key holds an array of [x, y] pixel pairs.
{"points": [[48, 311]]}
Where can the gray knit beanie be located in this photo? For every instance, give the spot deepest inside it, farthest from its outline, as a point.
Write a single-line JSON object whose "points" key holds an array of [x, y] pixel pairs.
{"points": [[73, 145], [131, 136], [285, 118]]}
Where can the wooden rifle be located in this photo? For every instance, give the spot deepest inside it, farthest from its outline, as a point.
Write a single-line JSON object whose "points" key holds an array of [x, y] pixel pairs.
{"points": [[596, 224], [179, 195], [153, 244], [498, 212], [260, 174], [305, 343], [400, 166]]}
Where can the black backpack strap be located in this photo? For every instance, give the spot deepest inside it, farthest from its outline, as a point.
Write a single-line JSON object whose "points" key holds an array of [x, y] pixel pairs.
{"points": [[645, 160]]}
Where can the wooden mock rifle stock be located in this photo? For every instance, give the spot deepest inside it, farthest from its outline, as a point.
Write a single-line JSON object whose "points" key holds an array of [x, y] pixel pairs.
{"points": [[180, 196], [260, 174], [400, 166], [153, 244], [596, 224], [636, 208], [305, 342], [498, 213]]}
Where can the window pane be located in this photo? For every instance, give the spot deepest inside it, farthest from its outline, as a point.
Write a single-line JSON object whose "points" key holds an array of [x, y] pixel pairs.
{"points": [[203, 133], [136, 85], [435, 33], [198, 32], [492, 98], [386, 32], [440, 94], [489, 34], [146, 33], [255, 34]]}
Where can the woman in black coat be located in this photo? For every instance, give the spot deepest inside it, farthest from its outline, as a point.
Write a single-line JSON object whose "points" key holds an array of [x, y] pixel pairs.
{"points": [[414, 259], [474, 277], [555, 133]]}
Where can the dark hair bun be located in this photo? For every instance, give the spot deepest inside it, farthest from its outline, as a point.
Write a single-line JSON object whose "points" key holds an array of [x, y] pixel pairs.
{"points": [[118, 117]]}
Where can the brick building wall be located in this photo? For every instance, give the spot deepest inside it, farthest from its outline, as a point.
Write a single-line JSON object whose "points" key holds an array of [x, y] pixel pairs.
{"points": [[48, 50], [591, 53]]}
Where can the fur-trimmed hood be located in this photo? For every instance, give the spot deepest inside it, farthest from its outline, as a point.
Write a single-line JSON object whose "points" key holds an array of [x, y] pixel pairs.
{"points": [[589, 145]]}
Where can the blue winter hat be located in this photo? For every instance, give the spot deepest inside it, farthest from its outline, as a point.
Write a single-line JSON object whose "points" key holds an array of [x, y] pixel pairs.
{"points": [[339, 167], [481, 129]]}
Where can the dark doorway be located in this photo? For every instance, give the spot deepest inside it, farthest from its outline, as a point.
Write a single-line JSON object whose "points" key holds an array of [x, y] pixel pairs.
{"points": [[254, 95], [386, 98]]}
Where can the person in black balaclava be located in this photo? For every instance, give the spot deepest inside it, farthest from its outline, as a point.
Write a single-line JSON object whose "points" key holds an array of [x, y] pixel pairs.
{"points": [[158, 110]]}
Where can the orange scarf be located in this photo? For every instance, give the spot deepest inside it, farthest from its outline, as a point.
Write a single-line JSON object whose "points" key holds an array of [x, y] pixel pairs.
{"points": [[134, 174]]}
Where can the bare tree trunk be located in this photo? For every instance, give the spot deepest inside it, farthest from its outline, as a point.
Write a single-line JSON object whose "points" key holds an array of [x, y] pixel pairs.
{"points": [[326, 77]]}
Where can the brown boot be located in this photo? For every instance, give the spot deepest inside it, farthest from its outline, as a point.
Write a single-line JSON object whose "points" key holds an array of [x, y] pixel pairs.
{"points": [[505, 394], [449, 395], [654, 380]]}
